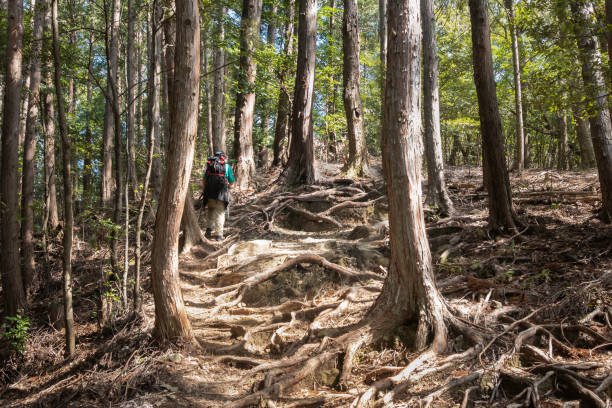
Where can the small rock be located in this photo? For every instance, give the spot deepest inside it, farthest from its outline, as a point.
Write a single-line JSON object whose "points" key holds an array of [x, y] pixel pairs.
{"points": [[175, 358]]}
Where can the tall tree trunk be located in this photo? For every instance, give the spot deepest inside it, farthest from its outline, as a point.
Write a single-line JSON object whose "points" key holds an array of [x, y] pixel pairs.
{"points": [[189, 221], [132, 87], [266, 115], [208, 99], [519, 153], [152, 135], [358, 152], [609, 35], [409, 292], [12, 284], [437, 195], [153, 97], [597, 96], [562, 162], [219, 60], [51, 213], [583, 134], [66, 159], [171, 321], [245, 100], [382, 38], [330, 103], [301, 150], [29, 148], [112, 54], [282, 125], [501, 214], [87, 169]]}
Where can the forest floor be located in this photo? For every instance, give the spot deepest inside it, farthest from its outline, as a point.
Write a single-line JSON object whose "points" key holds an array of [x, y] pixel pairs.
{"points": [[298, 263]]}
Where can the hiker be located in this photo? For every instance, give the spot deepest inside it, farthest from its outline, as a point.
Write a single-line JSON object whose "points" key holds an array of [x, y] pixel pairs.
{"points": [[215, 184]]}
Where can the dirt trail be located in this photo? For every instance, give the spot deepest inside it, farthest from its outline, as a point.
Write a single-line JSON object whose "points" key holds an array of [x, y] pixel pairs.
{"points": [[254, 306], [298, 264]]}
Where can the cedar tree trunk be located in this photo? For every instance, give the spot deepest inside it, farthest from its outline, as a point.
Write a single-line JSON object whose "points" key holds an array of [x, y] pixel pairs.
{"points": [[68, 220], [358, 152], [437, 195], [501, 214], [301, 150], [12, 284], [245, 100], [29, 148], [219, 57], [597, 96], [282, 125], [171, 321]]}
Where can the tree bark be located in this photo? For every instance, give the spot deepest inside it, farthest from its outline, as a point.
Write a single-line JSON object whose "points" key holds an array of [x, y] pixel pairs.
{"points": [[152, 135], [519, 153], [358, 152], [51, 213], [409, 292], [29, 148], [301, 152], [112, 53], [282, 125], [562, 162], [502, 217], [153, 98], [207, 90], [608, 8], [132, 86], [597, 95], [437, 195], [245, 99], [171, 321], [87, 169], [219, 60], [583, 134], [12, 284], [68, 221]]}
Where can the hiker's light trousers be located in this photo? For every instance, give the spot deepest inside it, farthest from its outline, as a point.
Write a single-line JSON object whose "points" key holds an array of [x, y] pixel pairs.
{"points": [[215, 216]]}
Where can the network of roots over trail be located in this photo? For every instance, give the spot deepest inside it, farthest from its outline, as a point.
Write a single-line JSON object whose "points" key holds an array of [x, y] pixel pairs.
{"points": [[292, 303]]}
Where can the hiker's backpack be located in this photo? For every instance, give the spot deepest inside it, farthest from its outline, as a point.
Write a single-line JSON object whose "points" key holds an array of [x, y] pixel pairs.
{"points": [[216, 182]]}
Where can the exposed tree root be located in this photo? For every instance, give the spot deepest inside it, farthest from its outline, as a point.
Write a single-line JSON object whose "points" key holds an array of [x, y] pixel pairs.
{"points": [[314, 217]]}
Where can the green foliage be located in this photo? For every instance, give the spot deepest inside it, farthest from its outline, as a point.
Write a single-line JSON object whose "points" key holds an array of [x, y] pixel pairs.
{"points": [[16, 331]]}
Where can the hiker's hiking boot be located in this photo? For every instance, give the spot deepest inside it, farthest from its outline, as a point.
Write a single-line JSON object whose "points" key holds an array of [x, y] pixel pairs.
{"points": [[208, 233]]}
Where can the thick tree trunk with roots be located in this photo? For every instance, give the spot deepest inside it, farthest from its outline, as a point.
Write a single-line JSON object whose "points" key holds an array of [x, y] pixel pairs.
{"points": [[502, 217], [283, 123], [358, 152], [171, 322], [437, 195], [245, 100], [595, 89], [301, 150], [219, 56], [29, 148], [66, 163], [409, 292], [12, 284]]}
